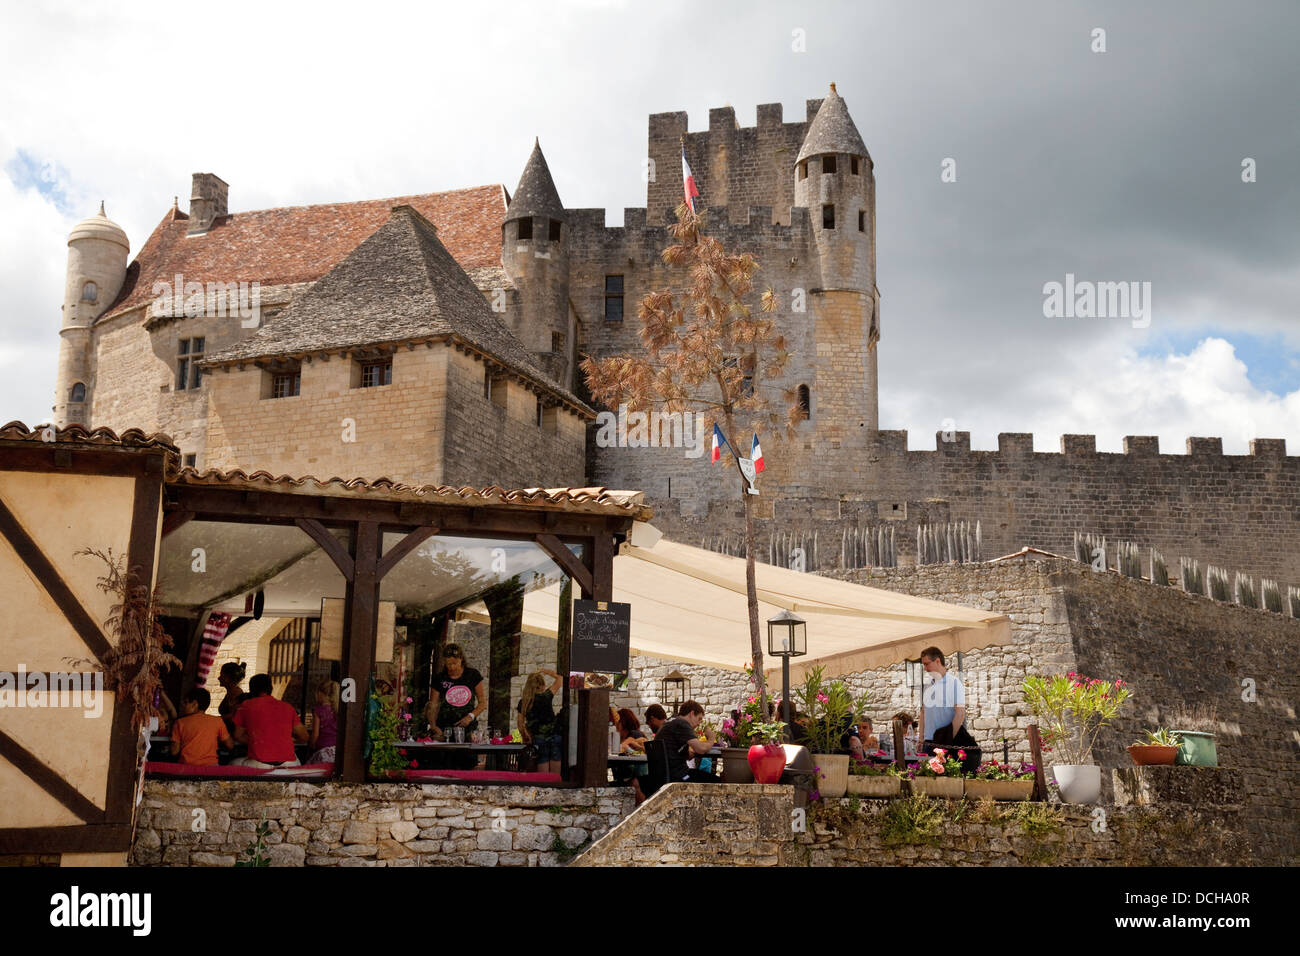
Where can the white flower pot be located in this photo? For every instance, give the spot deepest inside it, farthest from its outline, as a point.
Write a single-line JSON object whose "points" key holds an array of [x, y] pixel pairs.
{"points": [[833, 779], [1079, 783]]}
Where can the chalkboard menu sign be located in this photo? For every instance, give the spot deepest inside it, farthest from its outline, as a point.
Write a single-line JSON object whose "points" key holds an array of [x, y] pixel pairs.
{"points": [[600, 636]]}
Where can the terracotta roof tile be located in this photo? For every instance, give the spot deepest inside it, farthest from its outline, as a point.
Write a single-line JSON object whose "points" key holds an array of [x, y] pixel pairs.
{"points": [[301, 243]]}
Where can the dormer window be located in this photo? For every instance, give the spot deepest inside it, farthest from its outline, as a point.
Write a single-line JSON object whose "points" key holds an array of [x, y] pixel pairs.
{"points": [[89, 292], [828, 164], [526, 228]]}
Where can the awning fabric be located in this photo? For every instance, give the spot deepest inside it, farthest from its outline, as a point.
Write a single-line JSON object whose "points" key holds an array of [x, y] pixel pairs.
{"points": [[689, 605]]}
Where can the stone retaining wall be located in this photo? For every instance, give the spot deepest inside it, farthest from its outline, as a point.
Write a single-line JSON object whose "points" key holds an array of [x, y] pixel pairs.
{"points": [[210, 822]]}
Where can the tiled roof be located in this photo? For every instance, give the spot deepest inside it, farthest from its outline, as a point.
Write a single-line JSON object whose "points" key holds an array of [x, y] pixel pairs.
{"points": [[301, 243], [400, 285], [832, 131], [585, 500], [80, 435], [536, 194]]}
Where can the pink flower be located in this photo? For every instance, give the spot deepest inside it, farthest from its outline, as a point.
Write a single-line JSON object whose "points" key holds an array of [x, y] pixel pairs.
{"points": [[753, 699], [823, 699], [936, 765], [410, 700], [406, 716], [940, 753], [961, 754]]}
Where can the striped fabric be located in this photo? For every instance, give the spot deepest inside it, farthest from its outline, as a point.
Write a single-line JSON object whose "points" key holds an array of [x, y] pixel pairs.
{"points": [[214, 632]]}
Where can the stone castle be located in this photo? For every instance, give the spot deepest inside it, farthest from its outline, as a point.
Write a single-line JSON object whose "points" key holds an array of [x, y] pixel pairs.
{"points": [[435, 339]]}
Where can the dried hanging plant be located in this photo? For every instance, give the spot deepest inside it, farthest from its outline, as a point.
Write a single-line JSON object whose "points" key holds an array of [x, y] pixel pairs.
{"points": [[140, 653]]}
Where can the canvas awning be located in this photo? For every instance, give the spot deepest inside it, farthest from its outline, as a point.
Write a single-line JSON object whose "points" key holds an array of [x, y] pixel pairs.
{"points": [[689, 605]]}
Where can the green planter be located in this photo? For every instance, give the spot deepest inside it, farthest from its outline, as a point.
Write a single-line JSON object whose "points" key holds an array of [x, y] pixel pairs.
{"points": [[1197, 749]]}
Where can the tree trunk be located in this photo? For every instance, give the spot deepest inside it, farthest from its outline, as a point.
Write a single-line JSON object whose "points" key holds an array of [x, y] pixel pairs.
{"points": [[751, 581]]}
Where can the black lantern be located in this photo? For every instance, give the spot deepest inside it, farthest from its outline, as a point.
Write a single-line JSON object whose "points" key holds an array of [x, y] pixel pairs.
{"points": [[674, 690], [787, 637]]}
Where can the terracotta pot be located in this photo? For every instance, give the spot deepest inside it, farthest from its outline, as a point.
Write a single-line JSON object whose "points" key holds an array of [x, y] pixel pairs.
{"points": [[735, 765], [767, 761], [1079, 783], [948, 788], [833, 776], [875, 786], [1152, 755], [1000, 789]]}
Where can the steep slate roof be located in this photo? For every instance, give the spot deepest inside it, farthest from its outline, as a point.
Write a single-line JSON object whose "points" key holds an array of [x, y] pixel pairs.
{"points": [[536, 194], [832, 131], [301, 243], [399, 285]]}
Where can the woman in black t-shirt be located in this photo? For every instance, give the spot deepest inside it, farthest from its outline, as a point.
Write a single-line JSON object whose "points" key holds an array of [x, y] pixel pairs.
{"points": [[537, 723], [457, 696]]}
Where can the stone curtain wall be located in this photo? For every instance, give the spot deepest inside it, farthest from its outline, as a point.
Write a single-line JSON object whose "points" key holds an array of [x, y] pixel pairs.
{"points": [[727, 825], [1234, 511], [339, 824]]}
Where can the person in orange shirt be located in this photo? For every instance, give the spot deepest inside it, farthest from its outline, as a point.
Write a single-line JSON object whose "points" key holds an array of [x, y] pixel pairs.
{"points": [[196, 735]]}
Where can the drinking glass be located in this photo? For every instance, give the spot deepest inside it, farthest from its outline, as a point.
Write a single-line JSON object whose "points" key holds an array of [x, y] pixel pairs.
{"points": [[460, 735]]}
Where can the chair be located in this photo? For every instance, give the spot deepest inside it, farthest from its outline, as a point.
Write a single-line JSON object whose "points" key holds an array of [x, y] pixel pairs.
{"points": [[656, 760]]}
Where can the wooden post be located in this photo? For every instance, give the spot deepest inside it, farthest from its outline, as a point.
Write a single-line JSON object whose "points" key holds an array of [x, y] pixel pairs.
{"points": [[593, 737], [602, 567], [360, 618], [1036, 755], [900, 755], [563, 641]]}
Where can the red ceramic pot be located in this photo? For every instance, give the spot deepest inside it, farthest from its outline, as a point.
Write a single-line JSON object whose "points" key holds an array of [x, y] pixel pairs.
{"points": [[767, 761]]}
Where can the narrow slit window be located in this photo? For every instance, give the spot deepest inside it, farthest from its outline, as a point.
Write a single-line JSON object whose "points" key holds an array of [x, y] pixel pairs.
{"points": [[803, 169], [828, 216], [613, 298], [854, 166], [862, 221], [805, 403]]}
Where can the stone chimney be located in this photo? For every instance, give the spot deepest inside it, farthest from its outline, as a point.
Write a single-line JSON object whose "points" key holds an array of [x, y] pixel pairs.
{"points": [[207, 202]]}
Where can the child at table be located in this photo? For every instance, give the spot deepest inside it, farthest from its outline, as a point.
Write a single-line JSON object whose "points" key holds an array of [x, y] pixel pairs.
{"points": [[196, 735], [325, 725]]}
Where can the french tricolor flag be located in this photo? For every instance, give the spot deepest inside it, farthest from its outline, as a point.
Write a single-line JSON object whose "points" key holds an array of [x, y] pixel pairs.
{"points": [[718, 442], [688, 184], [756, 455]]}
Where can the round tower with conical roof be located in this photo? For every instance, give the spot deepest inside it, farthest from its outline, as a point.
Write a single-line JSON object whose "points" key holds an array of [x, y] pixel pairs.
{"points": [[835, 181], [97, 259], [534, 253]]}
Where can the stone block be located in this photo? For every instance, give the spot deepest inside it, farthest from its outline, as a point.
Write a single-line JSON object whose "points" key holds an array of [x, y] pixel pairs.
{"points": [[211, 859], [534, 837], [404, 831], [481, 858], [358, 832], [494, 840], [176, 856], [287, 854], [297, 835]]}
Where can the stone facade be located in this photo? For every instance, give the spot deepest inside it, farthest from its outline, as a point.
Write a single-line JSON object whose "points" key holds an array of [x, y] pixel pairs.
{"points": [[339, 824]]}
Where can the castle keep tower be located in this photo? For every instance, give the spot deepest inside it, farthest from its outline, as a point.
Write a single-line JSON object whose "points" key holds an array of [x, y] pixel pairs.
{"points": [[97, 252], [834, 181], [534, 254]]}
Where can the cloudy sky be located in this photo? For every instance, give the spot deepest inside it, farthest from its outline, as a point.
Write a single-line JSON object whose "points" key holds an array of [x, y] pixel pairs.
{"points": [[1117, 166]]}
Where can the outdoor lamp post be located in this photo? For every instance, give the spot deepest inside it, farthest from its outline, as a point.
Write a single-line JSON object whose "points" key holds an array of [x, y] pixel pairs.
{"points": [[675, 690], [787, 637]]}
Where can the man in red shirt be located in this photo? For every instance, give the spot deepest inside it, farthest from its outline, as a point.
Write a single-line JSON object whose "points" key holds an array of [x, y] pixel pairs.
{"points": [[270, 727]]}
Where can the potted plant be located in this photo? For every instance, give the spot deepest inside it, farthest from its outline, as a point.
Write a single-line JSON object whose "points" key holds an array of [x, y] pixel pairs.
{"points": [[1001, 781], [766, 757], [1158, 750], [738, 737], [1196, 727], [829, 709], [938, 776], [1071, 710], [867, 779]]}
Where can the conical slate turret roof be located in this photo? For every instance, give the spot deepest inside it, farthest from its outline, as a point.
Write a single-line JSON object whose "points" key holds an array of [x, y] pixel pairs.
{"points": [[536, 194], [832, 131]]}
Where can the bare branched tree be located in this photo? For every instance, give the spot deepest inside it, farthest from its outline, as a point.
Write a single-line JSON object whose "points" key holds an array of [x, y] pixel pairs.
{"points": [[708, 352]]}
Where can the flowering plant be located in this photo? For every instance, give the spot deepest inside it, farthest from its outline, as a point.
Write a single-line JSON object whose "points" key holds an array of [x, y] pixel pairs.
{"points": [[829, 709], [940, 765], [992, 770], [866, 768], [748, 725], [1071, 710]]}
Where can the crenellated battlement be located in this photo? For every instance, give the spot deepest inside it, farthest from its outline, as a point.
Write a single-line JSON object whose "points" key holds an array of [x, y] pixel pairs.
{"points": [[1021, 444], [724, 222]]}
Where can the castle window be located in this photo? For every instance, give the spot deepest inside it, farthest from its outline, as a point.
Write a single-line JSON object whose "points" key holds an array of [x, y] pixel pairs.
{"points": [[862, 221], [539, 413], [828, 164], [377, 373], [78, 393], [805, 403], [526, 227], [828, 216], [613, 298], [190, 460], [553, 231], [189, 354], [487, 383], [89, 292], [286, 384], [803, 169], [853, 165], [557, 341]]}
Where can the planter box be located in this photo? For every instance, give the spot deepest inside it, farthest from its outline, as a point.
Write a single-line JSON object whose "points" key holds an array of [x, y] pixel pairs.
{"points": [[875, 786], [1000, 789], [947, 788], [735, 765]]}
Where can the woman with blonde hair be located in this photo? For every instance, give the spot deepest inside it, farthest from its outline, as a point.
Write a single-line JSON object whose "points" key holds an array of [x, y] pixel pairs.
{"points": [[537, 723], [325, 722]]}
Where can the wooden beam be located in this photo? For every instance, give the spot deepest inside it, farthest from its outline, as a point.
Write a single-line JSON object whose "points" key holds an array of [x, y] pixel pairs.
{"points": [[361, 611], [602, 567], [54, 585], [404, 547], [593, 737], [1036, 755], [566, 559], [329, 544], [103, 838], [49, 780], [84, 460]]}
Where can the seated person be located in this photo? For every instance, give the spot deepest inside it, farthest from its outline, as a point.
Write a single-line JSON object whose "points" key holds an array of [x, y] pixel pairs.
{"points": [[680, 744], [870, 742], [270, 727], [195, 736], [655, 718]]}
